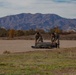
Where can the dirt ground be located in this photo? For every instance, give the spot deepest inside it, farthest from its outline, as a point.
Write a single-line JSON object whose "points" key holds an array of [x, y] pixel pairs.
{"points": [[25, 45]]}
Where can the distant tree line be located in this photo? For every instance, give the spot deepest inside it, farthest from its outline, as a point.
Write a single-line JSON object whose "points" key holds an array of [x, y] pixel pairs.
{"points": [[15, 33], [3, 32]]}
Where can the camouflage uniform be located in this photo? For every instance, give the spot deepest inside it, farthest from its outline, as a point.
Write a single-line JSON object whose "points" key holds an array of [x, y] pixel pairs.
{"points": [[57, 37], [53, 38], [38, 38]]}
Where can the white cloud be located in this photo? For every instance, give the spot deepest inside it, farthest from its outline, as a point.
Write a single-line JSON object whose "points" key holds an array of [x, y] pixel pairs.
{"points": [[64, 8], [67, 10], [16, 3], [64, 1], [10, 7]]}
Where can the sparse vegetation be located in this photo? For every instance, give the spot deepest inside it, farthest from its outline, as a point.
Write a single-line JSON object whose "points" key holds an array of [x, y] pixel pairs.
{"points": [[49, 62], [29, 34], [3, 32], [11, 33], [55, 29], [6, 52]]}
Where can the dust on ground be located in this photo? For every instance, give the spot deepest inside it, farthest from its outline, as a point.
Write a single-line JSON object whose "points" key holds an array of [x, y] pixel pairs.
{"points": [[25, 45]]}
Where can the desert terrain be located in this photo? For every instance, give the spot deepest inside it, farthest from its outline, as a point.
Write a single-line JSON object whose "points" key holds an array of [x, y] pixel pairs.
{"points": [[25, 45]]}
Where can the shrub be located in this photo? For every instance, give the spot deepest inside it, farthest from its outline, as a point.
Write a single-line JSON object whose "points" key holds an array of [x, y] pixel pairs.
{"points": [[6, 52]]}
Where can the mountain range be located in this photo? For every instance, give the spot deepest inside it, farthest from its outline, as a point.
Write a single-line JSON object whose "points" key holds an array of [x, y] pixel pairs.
{"points": [[26, 21]]}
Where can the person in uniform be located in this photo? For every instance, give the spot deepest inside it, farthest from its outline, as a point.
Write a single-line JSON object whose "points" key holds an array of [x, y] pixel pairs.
{"points": [[38, 38], [52, 38], [57, 39]]}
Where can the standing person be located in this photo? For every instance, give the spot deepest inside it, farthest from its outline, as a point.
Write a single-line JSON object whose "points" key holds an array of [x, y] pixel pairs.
{"points": [[38, 38], [53, 38], [57, 39]]}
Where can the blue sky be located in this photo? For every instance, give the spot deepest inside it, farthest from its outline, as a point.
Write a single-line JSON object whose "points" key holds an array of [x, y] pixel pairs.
{"points": [[64, 8]]}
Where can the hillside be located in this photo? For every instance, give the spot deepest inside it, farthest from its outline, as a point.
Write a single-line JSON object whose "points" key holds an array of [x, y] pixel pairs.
{"points": [[27, 21]]}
